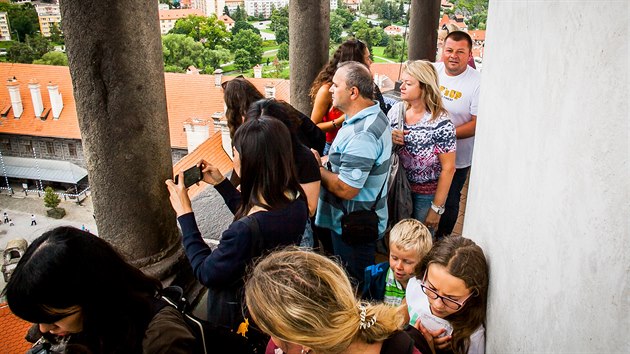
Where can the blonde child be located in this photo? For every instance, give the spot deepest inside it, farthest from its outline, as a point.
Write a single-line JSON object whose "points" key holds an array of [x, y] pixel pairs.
{"points": [[409, 242]]}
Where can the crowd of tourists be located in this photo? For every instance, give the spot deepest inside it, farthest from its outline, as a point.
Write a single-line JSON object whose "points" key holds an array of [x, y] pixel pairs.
{"points": [[295, 271]]}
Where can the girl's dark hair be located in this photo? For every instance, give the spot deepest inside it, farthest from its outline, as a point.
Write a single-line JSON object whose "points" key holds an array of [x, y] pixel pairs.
{"points": [[67, 267], [350, 50], [238, 95], [463, 259], [267, 167]]}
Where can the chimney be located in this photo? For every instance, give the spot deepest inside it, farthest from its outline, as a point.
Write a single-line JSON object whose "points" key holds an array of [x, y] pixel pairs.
{"points": [[218, 74], [16, 99], [270, 90], [197, 131], [36, 96], [257, 71], [55, 99], [221, 125]]}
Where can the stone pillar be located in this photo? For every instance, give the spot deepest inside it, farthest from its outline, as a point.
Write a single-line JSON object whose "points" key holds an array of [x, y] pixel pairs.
{"points": [[549, 191], [309, 33], [423, 22], [117, 74]]}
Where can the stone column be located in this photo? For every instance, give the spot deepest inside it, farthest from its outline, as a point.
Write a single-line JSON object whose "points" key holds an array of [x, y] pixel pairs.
{"points": [[309, 33], [423, 22], [549, 191], [115, 57]]}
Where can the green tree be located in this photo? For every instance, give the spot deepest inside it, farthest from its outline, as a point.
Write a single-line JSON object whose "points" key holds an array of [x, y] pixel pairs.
{"points": [[207, 30], [242, 60], [53, 58], [251, 43], [23, 19], [21, 53], [336, 27], [213, 58], [40, 45], [357, 26], [241, 25], [283, 51], [55, 34], [226, 11], [51, 199], [280, 24], [393, 49], [181, 51], [347, 16], [239, 14]]}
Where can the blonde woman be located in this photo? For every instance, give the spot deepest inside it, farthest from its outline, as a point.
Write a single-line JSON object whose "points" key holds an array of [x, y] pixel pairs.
{"points": [[426, 140], [305, 302]]}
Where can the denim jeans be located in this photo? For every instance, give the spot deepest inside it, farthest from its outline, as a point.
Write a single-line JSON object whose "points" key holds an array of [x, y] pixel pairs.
{"points": [[354, 258], [421, 205], [451, 212], [307, 237]]}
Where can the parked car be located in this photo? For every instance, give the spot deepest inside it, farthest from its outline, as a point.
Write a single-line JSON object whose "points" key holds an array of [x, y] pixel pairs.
{"points": [[11, 256], [3, 51]]}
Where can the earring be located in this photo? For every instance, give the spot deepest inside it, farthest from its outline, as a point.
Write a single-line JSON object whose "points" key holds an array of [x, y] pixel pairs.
{"points": [[305, 351]]}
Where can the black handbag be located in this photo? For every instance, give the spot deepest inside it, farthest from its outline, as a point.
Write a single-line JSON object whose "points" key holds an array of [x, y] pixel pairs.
{"points": [[399, 200], [360, 226]]}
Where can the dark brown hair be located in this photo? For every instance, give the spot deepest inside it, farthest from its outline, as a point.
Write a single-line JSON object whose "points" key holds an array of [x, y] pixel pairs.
{"points": [[350, 50], [238, 95], [463, 259], [460, 36]]}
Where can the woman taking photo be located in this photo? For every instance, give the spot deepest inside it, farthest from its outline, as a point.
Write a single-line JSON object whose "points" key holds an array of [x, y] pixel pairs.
{"points": [[426, 141], [452, 286], [269, 211], [328, 118], [86, 299], [305, 302]]}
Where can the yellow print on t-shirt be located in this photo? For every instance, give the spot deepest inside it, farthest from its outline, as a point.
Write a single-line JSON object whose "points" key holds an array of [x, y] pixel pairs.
{"points": [[450, 94]]}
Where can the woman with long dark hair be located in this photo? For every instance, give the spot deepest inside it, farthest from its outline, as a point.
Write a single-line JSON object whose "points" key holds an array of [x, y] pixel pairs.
{"points": [[86, 299], [269, 211], [452, 285], [238, 95]]}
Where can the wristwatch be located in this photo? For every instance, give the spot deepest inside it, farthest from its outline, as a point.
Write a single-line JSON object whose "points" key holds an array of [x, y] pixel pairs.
{"points": [[438, 209], [334, 124]]}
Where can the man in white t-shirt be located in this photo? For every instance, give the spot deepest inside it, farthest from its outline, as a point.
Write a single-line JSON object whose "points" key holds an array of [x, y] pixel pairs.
{"points": [[459, 84]]}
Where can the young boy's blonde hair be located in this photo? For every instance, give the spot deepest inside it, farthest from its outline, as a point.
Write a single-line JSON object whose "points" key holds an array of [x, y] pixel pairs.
{"points": [[411, 234]]}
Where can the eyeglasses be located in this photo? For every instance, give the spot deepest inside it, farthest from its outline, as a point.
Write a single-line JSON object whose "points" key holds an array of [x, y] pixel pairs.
{"points": [[448, 302]]}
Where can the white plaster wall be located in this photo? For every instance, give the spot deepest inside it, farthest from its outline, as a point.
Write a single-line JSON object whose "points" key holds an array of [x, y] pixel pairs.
{"points": [[549, 190]]}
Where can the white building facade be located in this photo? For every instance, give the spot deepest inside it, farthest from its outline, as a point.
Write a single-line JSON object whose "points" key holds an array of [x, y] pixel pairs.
{"points": [[5, 30], [49, 16]]}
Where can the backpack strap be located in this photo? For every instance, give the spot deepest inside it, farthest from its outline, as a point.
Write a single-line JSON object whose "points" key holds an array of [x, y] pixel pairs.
{"points": [[257, 244]]}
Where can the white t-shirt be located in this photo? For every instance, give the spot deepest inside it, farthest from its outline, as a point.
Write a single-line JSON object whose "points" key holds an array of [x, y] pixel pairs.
{"points": [[417, 299], [460, 95]]}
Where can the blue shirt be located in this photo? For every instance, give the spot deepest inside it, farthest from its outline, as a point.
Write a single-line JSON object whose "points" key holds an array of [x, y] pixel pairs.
{"points": [[360, 156]]}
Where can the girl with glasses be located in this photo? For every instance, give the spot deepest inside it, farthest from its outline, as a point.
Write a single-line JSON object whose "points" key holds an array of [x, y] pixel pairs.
{"points": [[452, 286]]}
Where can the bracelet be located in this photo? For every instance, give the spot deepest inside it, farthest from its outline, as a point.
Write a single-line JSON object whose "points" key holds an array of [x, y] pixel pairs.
{"points": [[334, 124]]}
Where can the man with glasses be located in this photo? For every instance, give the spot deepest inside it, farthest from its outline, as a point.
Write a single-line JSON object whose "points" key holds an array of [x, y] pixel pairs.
{"points": [[354, 177], [460, 85]]}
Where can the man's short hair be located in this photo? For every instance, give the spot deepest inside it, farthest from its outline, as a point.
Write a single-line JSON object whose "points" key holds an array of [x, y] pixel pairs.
{"points": [[359, 76], [460, 36]]}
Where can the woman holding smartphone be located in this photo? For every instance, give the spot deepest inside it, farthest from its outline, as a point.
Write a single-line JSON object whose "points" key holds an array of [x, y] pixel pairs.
{"points": [[270, 211], [452, 285], [427, 140]]}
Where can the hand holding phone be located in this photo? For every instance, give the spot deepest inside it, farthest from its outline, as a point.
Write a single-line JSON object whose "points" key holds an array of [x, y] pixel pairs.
{"points": [[191, 176]]}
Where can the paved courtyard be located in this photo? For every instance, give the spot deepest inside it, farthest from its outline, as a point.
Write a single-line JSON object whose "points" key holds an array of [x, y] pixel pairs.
{"points": [[19, 209]]}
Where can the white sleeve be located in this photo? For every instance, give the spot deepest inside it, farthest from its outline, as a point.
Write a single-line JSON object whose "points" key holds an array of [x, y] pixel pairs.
{"points": [[478, 341]]}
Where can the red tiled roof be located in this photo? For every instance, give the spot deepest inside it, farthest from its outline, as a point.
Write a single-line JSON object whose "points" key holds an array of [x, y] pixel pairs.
{"points": [[226, 19], [391, 70], [176, 14], [187, 96], [13, 331], [478, 35], [212, 151], [444, 20]]}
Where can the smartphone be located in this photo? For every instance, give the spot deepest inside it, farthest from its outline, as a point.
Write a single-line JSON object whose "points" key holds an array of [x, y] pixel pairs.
{"points": [[191, 176]]}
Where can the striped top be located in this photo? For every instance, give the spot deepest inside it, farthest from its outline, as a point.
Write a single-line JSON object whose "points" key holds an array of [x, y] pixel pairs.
{"points": [[360, 156]]}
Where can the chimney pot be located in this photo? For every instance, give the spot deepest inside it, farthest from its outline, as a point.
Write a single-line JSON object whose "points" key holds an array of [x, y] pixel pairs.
{"points": [[16, 98], [218, 75]]}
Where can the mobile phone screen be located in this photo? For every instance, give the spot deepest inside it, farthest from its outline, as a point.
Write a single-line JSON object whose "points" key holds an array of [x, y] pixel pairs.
{"points": [[191, 176]]}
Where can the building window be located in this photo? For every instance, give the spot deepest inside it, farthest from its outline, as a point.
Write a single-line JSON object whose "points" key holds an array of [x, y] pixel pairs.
{"points": [[50, 148], [72, 150], [28, 147]]}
